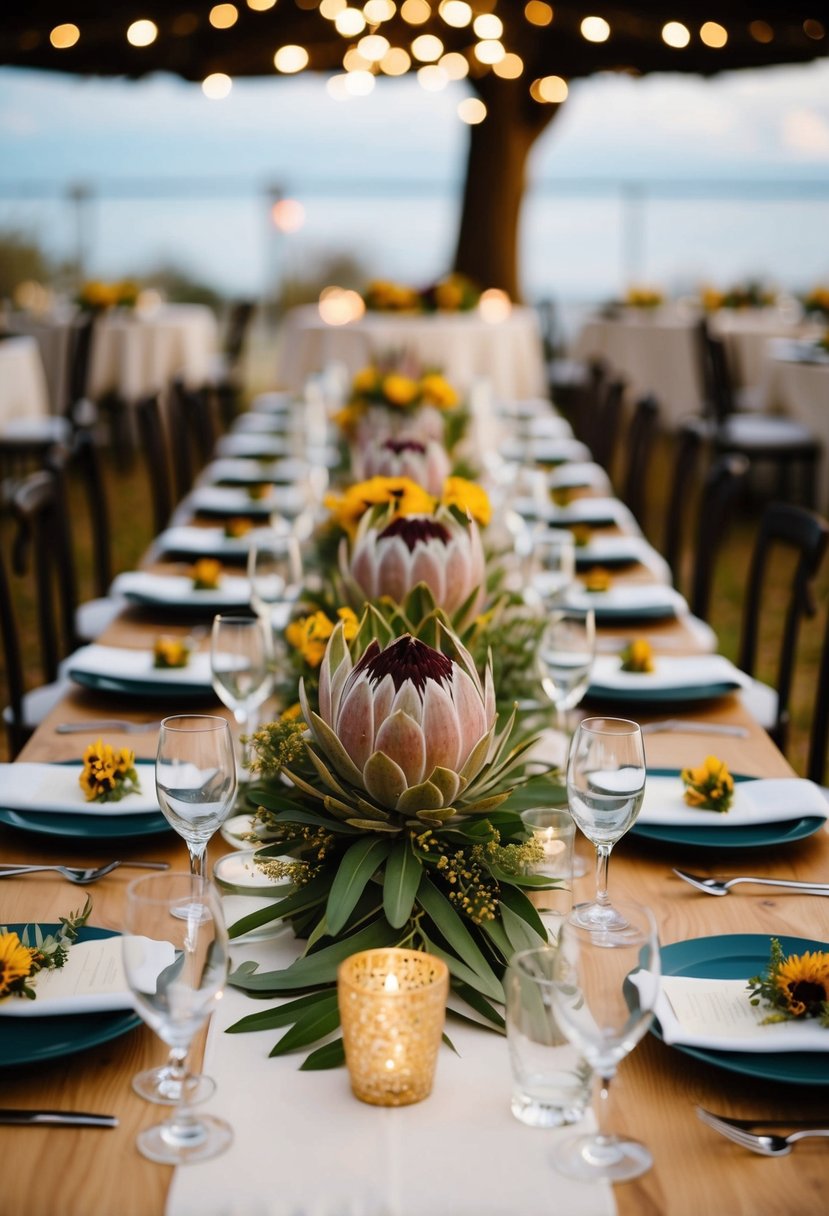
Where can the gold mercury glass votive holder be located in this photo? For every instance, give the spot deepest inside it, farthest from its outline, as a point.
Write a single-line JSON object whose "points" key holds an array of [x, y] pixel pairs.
{"points": [[392, 1007]]}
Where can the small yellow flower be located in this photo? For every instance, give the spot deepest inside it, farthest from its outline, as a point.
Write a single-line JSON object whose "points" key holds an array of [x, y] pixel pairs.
{"points": [[803, 982], [709, 786], [468, 497], [206, 574], [597, 580], [15, 961], [581, 535], [405, 495], [711, 299], [562, 496], [638, 656], [436, 390], [259, 490], [107, 774], [170, 652], [365, 381], [292, 714], [309, 635], [643, 297], [237, 527], [400, 391]]}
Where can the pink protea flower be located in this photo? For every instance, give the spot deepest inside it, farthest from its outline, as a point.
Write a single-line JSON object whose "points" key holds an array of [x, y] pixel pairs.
{"points": [[408, 724], [441, 552], [422, 460]]}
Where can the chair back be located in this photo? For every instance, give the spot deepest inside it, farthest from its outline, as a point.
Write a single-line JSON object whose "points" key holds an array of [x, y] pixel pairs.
{"points": [[805, 535], [715, 374], [14, 685], [42, 545], [84, 460], [238, 324], [688, 449], [819, 736], [608, 424], [641, 437], [156, 460], [80, 354], [720, 491]]}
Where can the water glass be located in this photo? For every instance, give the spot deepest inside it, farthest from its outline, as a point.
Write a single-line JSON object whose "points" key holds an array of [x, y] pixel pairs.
{"points": [[551, 1081], [195, 778], [275, 574], [565, 656], [606, 983], [551, 568], [177, 918], [241, 666]]}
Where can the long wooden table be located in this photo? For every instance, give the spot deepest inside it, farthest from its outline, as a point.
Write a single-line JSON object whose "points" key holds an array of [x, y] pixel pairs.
{"points": [[98, 1173]]}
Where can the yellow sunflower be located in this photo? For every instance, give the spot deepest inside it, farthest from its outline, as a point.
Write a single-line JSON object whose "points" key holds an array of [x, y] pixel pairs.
{"points": [[15, 962], [436, 390], [407, 497], [467, 497], [803, 983]]}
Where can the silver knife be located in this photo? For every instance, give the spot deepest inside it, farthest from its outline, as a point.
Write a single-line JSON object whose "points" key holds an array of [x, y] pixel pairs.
{"points": [[694, 728], [57, 1118]]}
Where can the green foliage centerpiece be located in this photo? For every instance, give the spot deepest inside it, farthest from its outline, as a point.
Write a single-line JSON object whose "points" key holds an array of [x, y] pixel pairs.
{"points": [[393, 817]]}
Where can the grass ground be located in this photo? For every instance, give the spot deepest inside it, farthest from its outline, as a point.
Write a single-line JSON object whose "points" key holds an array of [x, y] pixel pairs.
{"points": [[129, 499]]}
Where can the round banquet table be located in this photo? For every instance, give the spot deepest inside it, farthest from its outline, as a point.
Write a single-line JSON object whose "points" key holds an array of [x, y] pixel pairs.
{"points": [[23, 390], [466, 348]]}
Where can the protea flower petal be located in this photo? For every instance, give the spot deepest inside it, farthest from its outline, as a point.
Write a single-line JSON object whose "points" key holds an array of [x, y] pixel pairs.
{"points": [[441, 729], [355, 722], [401, 739], [384, 780]]}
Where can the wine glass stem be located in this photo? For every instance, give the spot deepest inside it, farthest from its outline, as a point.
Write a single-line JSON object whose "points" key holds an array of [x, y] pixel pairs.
{"points": [[603, 1106], [197, 863], [602, 862], [182, 1130]]}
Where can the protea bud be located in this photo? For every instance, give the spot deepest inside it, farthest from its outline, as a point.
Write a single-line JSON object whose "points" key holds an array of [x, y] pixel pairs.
{"points": [[408, 724], [441, 552], [422, 460]]}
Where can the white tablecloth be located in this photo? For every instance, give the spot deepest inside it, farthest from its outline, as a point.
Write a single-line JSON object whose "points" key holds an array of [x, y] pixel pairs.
{"points": [[304, 1146], [508, 354], [23, 390], [133, 353]]}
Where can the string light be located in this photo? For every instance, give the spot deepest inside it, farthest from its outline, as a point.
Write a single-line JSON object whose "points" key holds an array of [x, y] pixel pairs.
{"points": [[549, 90], [335, 86], [676, 35], [455, 65], [432, 78], [396, 62], [216, 86], [64, 36], [353, 61], [330, 8], [595, 29], [713, 34], [373, 47], [490, 51], [261, 6], [288, 214], [427, 48], [350, 22], [471, 111], [377, 11], [223, 16], [415, 12], [761, 31], [814, 29], [359, 84], [510, 67], [456, 13], [290, 58], [488, 26], [142, 33], [538, 13]]}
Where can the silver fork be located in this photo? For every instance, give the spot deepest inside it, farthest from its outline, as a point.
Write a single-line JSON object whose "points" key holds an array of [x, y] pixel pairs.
{"points": [[82, 875], [721, 886], [691, 727], [767, 1144], [81, 728]]}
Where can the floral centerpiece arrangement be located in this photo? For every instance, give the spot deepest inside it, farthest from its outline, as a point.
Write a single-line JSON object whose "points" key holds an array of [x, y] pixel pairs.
{"points": [[752, 294], [395, 399], [793, 987], [453, 293], [95, 296], [24, 955], [816, 303], [644, 297]]}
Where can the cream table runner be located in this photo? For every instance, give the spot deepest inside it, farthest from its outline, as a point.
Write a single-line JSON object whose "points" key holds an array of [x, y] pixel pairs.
{"points": [[304, 1146]]}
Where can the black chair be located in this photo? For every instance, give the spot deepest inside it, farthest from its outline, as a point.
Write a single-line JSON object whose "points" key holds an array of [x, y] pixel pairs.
{"points": [[764, 438], [14, 712], [804, 535], [720, 490], [226, 379], [684, 473], [819, 735], [156, 459], [606, 429], [641, 438]]}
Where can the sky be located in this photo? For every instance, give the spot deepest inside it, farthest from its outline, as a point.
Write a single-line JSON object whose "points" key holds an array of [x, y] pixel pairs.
{"points": [[55, 130]]}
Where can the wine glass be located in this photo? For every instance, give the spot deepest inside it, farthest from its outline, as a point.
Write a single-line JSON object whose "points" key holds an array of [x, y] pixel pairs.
{"points": [[195, 779], [275, 575], [565, 653], [605, 989], [605, 788], [552, 567], [240, 663], [176, 958]]}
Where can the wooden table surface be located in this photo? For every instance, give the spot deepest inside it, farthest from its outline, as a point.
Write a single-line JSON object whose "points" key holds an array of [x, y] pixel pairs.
{"points": [[81, 1172]]}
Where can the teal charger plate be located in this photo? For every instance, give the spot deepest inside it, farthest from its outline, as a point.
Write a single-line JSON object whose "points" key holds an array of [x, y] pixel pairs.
{"points": [[740, 956]]}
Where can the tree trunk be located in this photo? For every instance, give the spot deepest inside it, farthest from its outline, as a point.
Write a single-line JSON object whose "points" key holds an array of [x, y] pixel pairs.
{"points": [[488, 238]]}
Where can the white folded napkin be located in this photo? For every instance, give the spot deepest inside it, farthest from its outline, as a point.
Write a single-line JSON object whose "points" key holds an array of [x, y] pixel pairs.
{"points": [[579, 473], [138, 666], [671, 672], [258, 423], [259, 447], [608, 550], [764, 800], [591, 510], [54, 788], [142, 586], [628, 599], [254, 472], [233, 500], [92, 980], [274, 402], [547, 451], [207, 542], [717, 1014]]}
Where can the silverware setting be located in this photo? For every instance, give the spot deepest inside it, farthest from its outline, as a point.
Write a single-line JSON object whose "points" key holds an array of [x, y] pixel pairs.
{"points": [[81, 875], [85, 728], [767, 1144], [691, 727], [721, 886], [56, 1118]]}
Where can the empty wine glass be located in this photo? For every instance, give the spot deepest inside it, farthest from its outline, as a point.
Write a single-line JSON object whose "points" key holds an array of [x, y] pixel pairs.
{"points": [[565, 654], [195, 781], [275, 576], [605, 989], [605, 788], [176, 960], [242, 668], [551, 567]]}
